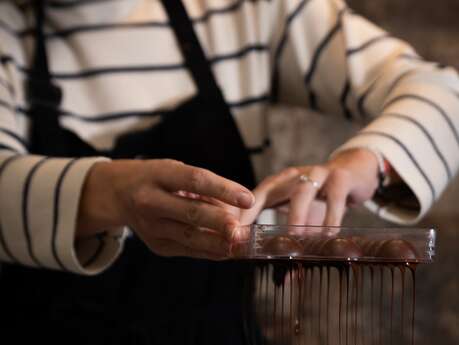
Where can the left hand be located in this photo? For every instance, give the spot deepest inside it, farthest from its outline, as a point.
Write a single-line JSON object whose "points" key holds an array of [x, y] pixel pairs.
{"points": [[321, 197]]}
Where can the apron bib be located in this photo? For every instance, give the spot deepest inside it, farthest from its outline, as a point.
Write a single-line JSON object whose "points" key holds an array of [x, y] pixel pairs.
{"points": [[143, 298]]}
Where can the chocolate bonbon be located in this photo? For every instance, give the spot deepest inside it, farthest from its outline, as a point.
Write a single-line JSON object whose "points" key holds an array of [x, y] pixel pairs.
{"points": [[396, 249], [282, 246], [342, 248]]}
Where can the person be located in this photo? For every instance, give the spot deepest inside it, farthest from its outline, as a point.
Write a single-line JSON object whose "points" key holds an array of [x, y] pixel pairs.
{"points": [[149, 115]]}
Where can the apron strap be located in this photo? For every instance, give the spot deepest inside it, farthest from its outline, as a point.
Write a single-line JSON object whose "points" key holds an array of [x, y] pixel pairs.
{"points": [[195, 58], [40, 89], [43, 96]]}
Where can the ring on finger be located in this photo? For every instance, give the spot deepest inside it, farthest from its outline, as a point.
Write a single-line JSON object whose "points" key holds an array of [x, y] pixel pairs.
{"points": [[304, 178]]}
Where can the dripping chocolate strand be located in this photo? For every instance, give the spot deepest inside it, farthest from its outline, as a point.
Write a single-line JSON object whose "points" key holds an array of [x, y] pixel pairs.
{"points": [[413, 307], [362, 303], [402, 302], [355, 289], [347, 304], [327, 310], [274, 322], [265, 315], [296, 303], [340, 301], [381, 294], [299, 312], [372, 305], [291, 312], [391, 329], [282, 315], [319, 328], [311, 301]]}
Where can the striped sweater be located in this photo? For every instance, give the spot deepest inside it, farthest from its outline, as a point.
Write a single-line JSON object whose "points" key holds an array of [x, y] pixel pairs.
{"points": [[119, 66]]}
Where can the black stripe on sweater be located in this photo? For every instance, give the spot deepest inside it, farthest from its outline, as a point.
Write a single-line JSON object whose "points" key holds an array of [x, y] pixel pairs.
{"points": [[430, 103], [15, 137], [316, 57], [120, 26], [420, 59], [7, 29], [88, 73], [399, 79], [7, 86], [343, 99], [368, 44], [363, 98], [100, 118], [25, 210], [275, 82], [6, 105], [71, 4], [428, 136], [56, 205], [3, 241], [8, 148], [409, 155]]}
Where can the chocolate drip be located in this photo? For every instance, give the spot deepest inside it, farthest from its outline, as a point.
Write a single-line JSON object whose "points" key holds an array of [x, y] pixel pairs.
{"points": [[342, 299]]}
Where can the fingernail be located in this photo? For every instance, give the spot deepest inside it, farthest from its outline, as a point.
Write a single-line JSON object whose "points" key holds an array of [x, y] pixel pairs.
{"points": [[245, 199]]}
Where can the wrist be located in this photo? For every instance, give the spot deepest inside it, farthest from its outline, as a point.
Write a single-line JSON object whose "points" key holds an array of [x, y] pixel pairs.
{"points": [[98, 209]]}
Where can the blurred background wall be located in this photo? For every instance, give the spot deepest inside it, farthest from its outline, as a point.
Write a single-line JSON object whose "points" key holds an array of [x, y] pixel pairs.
{"points": [[432, 27]]}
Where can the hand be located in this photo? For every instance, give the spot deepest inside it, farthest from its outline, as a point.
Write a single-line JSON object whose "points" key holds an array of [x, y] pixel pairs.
{"points": [[176, 209], [350, 178]]}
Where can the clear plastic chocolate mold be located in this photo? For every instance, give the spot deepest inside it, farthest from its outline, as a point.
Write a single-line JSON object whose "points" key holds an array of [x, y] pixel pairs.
{"points": [[317, 243], [309, 285]]}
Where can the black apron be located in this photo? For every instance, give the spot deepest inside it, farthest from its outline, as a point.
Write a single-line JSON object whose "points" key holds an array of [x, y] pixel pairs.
{"points": [[143, 298]]}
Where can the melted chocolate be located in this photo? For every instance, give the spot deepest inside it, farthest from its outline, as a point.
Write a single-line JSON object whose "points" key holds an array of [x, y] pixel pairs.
{"points": [[300, 304]]}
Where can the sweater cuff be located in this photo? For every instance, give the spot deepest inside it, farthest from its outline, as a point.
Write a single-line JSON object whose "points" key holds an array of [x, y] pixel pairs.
{"points": [[91, 255], [411, 178], [39, 203]]}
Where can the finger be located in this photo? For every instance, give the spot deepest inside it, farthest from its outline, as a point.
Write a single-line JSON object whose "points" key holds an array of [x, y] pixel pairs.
{"points": [[170, 248], [182, 177], [249, 216], [196, 238], [305, 193], [317, 212], [198, 213], [274, 190], [336, 192]]}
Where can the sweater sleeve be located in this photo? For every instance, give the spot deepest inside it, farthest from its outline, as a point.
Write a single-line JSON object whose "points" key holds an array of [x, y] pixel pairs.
{"points": [[328, 58], [39, 196]]}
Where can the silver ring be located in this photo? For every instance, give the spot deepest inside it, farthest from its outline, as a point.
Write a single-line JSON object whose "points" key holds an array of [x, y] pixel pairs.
{"points": [[306, 179]]}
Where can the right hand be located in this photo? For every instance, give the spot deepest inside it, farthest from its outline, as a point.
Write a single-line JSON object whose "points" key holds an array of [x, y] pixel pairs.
{"points": [[151, 197]]}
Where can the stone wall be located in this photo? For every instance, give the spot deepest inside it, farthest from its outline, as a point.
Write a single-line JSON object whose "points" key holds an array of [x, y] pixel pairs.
{"points": [[433, 28]]}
